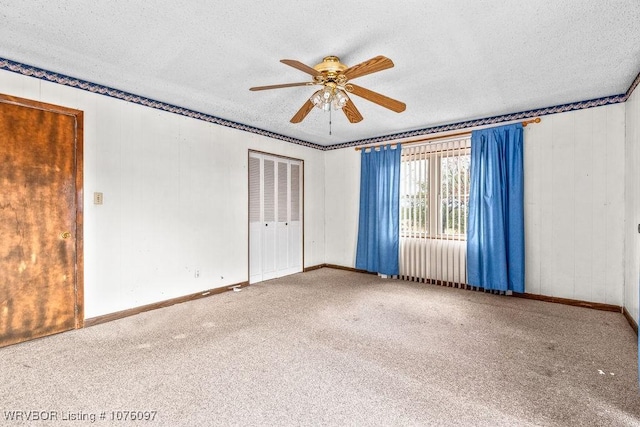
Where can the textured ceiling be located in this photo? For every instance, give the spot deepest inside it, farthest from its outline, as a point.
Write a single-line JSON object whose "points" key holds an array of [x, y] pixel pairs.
{"points": [[454, 60]]}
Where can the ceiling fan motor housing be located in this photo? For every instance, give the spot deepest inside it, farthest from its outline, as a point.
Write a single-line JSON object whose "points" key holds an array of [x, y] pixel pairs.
{"points": [[330, 65]]}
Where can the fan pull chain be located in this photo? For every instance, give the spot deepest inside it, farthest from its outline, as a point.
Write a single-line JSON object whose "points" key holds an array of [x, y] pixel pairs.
{"points": [[330, 121]]}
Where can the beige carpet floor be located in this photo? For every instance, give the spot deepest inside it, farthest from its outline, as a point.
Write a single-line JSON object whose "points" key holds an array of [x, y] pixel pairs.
{"points": [[336, 348]]}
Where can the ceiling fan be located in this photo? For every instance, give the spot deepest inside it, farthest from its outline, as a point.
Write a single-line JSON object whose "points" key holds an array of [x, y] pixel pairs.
{"points": [[335, 77]]}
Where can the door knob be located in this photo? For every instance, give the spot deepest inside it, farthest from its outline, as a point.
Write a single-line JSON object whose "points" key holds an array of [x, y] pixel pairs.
{"points": [[65, 235]]}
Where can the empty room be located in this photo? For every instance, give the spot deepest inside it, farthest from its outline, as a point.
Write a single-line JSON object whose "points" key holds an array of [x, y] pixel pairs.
{"points": [[291, 213]]}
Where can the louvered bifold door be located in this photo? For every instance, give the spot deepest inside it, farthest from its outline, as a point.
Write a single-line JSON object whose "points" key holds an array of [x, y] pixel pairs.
{"points": [[295, 217], [282, 232], [269, 251], [275, 217], [255, 219]]}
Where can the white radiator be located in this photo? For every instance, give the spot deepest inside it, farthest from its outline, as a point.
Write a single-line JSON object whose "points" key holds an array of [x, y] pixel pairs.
{"points": [[434, 261]]}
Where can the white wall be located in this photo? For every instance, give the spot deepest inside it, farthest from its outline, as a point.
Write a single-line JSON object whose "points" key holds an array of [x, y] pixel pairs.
{"points": [[632, 202], [342, 200], [175, 198], [574, 205]]}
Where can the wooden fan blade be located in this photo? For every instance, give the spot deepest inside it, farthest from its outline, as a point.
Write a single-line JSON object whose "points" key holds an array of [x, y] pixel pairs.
{"points": [[379, 99], [302, 112], [300, 66], [352, 112], [279, 86], [373, 65]]}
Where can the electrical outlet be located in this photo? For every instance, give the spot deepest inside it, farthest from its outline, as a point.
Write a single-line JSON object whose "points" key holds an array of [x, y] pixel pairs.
{"points": [[197, 274], [97, 198]]}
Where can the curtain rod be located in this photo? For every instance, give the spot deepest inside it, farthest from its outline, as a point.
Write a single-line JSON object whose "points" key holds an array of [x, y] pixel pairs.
{"points": [[433, 138]]}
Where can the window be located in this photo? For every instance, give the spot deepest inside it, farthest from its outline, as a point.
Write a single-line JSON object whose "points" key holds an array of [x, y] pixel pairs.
{"points": [[434, 190]]}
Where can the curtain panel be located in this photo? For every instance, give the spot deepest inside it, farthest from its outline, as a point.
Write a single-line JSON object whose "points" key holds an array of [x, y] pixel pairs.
{"points": [[379, 220], [495, 235]]}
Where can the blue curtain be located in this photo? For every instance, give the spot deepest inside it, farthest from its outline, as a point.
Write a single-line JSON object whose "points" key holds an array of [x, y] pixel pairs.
{"points": [[495, 235], [379, 224]]}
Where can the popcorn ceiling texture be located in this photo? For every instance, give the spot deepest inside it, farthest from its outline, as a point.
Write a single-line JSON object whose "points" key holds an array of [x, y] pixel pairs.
{"points": [[455, 61]]}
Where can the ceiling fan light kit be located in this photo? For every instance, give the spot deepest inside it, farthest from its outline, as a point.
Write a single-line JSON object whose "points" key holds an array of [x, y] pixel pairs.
{"points": [[328, 97], [334, 78]]}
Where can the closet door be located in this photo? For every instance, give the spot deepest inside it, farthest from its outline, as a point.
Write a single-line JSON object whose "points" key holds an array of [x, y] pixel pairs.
{"points": [[269, 267], [255, 219], [275, 217], [294, 228], [282, 235]]}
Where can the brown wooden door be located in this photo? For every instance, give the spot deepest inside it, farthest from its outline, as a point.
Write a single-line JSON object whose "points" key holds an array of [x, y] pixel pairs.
{"points": [[39, 173]]}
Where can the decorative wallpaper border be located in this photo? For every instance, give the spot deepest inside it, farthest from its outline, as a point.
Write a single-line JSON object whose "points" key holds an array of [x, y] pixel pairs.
{"points": [[634, 84], [31, 71], [615, 99], [39, 73]]}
